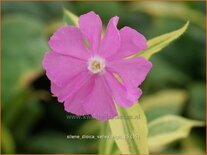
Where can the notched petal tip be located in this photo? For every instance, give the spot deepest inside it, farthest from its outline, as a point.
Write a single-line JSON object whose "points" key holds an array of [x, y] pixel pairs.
{"points": [[90, 25], [90, 16], [115, 20], [89, 13], [111, 40], [131, 42]]}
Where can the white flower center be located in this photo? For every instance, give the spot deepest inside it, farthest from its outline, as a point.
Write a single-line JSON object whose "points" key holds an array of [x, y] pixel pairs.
{"points": [[96, 64]]}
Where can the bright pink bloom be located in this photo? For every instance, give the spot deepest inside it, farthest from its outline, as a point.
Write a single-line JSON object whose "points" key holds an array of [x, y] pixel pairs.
{"points": [[83, 77]]}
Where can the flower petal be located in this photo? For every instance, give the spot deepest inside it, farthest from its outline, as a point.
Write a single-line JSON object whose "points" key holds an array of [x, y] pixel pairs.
{"points": [[100, 103], [124, 96], [74, 104], [68, 40], [132, 71], [131, 42], [61, 68], [74, 85], [111, 41], [55, 89], [91, 26]]}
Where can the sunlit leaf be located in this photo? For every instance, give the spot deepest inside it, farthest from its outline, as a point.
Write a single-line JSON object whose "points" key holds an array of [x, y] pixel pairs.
{"points": [[158, 43], [130, 126], [169, 128], [177, 11], [70, 18], [107, 145], [170, 101], [7, 140]]}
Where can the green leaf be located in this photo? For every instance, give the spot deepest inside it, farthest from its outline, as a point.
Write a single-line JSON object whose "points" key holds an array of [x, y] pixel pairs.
{"points": [[103, 142], [158, 43], [22, 126], [197, 106], [23, 47], [14, 108], [170, 101], [7, 141], [177, 11], [107, 145], [23, 104], [92, 127], [130, 130], [57, 142], [169, 128], [70, 18]]}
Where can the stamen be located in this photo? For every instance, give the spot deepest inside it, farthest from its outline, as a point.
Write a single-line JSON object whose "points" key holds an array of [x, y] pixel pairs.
{"points": [[96, 64]]}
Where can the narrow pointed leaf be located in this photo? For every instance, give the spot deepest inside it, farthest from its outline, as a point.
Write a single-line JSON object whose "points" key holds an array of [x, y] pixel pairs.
{"points": [[130, 128], [158, 43], [169, 128], [70, 18]]}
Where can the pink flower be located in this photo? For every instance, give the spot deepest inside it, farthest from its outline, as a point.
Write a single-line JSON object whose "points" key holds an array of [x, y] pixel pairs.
{"points": [[84, 77]]}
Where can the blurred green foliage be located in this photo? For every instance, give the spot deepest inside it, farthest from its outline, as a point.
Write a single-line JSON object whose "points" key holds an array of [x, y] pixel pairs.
{"points": [[22, 43], [165, 102], [33, 122]]}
